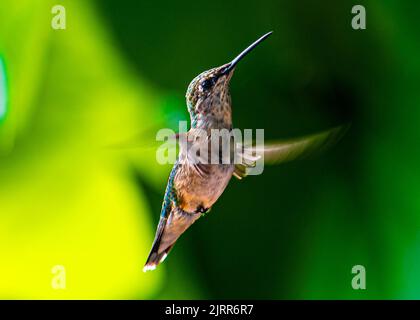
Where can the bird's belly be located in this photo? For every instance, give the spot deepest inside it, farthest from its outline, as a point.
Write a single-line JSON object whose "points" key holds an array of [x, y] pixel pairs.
{"points": [[196, 191]]}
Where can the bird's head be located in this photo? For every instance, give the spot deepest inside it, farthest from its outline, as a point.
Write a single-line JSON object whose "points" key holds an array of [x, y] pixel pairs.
{"points": [[208, 96]]}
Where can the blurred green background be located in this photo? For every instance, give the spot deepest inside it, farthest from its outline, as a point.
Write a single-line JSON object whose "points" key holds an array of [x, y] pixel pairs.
{"points": [[121, 68]]}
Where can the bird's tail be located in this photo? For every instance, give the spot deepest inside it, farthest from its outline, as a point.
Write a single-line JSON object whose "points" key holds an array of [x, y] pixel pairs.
{"points": [[168, 231], [155, 257]]}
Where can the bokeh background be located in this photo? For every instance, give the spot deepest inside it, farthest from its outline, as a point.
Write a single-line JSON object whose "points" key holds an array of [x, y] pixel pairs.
{"points": [[120, 70]]}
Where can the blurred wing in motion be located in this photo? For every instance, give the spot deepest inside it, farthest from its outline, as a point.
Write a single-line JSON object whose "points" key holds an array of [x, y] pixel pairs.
{"points": [[144, 139], [277, 152], [147, 136], [299, 148]]}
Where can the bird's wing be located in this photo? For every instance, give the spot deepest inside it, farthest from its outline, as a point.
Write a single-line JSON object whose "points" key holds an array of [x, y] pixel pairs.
{"points": [[148, 138], [277, 152]]}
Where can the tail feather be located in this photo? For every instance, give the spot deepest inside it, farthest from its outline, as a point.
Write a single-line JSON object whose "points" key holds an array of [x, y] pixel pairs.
{"points": [[155, 257], [167, 233]]}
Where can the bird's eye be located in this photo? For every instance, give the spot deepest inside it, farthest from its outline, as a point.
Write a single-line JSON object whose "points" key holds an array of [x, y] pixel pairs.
{"points": [[207, 84]]}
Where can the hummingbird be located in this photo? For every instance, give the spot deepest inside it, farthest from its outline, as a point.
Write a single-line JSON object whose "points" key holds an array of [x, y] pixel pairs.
{"points": [[192, 187]]}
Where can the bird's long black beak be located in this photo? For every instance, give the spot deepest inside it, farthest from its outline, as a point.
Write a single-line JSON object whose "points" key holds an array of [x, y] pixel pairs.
{"points": [[239, 57]]}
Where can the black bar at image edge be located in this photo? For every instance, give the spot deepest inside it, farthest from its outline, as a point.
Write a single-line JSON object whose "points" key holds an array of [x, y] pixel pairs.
{"points": [[207, 309]]}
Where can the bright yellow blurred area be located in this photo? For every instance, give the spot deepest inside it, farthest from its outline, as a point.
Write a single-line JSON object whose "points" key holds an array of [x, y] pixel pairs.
{"points": [[65, 198]]}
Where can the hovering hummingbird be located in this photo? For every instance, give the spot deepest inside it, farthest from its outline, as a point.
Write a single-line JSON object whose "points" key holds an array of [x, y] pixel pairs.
{"points": [[193, 187]]}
